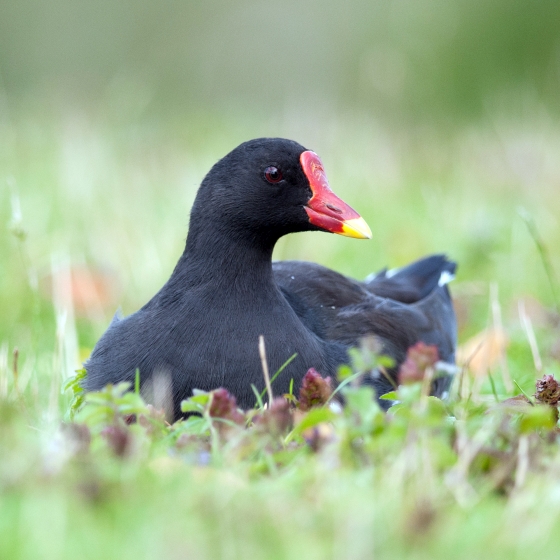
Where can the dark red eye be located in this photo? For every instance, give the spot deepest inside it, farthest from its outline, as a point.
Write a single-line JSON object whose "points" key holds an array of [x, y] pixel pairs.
{"points": [[273, 174]]}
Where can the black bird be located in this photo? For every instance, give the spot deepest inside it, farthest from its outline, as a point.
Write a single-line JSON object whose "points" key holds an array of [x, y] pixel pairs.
{"points": [[201, 329]]}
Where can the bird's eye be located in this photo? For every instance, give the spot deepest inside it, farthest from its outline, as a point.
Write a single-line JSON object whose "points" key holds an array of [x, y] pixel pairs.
{"points": [[273, 174]]}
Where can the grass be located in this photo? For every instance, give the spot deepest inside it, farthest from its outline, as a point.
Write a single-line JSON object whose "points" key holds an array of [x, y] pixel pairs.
{"points": [[97, 207]]}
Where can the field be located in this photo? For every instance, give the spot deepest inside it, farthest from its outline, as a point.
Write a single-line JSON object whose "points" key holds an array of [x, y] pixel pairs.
{"points": [[94, 210]]}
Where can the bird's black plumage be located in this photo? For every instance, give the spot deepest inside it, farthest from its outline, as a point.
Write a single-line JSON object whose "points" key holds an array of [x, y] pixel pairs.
{"points": [[201, 329]]}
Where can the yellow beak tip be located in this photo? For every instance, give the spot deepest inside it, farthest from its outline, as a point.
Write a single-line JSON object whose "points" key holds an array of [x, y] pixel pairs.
{"points": [[356, 228]]}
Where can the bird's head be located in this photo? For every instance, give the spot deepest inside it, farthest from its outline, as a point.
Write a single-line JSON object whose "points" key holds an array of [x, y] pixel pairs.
{"points": [[273, 186]]}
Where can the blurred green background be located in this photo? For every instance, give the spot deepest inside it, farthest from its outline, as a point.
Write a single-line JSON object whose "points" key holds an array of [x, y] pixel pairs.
{"points": [[401, 58]]}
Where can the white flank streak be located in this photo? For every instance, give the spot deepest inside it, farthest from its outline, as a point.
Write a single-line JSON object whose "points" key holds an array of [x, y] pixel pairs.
{"points": [[445, 278], [370, 277], [447, 368]]}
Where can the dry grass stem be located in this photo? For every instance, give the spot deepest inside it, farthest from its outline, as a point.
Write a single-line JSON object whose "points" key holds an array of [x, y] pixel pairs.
{"points": [[262, 353], [522, 461], [498, 326], [530, 333]]}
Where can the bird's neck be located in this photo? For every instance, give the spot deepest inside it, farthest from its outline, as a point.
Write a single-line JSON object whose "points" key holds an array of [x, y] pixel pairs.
{"points": [[228, 260]]}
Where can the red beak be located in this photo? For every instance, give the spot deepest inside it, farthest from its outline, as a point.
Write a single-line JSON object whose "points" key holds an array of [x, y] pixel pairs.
{"points": [[325, 209]]}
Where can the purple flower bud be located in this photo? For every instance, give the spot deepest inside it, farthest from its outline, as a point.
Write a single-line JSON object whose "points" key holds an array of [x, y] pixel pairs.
{"points": [[548, 390], [118, 439], [277, 419], [223, 405], [315, 390], [419, 358]]}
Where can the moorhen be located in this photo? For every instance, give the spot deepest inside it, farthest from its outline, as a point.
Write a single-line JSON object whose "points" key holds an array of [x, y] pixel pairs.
{"points": [[201, 330]]}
